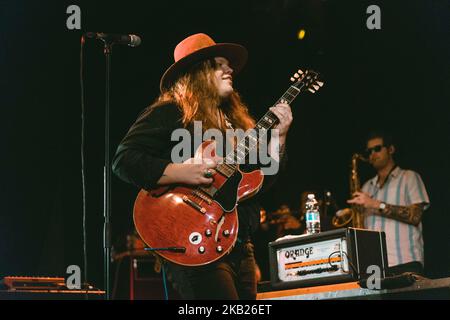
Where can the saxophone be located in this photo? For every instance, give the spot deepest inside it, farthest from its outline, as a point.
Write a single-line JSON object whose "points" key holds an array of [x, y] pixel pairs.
{"points": [[353, 216]]}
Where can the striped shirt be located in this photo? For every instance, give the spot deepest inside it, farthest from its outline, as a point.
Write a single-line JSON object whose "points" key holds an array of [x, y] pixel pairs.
{"points": [[402, 188]]}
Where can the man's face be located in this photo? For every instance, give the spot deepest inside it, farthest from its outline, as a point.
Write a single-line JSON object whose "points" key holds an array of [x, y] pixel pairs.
{"points": [[223, 77], [378, 154]]}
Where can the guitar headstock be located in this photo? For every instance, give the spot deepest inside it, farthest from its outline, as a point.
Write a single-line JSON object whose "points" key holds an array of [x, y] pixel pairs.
{"points": [[306, 80]]}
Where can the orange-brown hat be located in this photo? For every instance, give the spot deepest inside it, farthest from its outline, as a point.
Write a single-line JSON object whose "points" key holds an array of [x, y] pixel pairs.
{"points": [[198, 47]]}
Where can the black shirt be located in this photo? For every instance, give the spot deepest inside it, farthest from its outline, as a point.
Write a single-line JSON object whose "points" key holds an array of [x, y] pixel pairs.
{"points": [[145, 152]]}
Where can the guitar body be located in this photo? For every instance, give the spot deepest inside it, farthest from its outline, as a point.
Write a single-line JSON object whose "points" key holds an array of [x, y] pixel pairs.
{"points": [[203, 221], [199, 224]]}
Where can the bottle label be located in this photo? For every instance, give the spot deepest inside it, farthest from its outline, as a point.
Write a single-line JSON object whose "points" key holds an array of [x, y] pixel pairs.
{"points": [[312, 216]]}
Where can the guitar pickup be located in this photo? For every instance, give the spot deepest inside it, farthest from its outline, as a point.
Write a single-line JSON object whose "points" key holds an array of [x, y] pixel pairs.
{"points": [[194, 205]]}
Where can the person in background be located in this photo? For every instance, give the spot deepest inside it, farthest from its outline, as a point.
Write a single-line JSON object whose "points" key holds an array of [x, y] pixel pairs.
{"points": [[394, 201]]}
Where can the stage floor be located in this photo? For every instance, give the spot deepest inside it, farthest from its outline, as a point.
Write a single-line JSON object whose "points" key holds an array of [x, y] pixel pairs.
{"points": [[421, 289]]}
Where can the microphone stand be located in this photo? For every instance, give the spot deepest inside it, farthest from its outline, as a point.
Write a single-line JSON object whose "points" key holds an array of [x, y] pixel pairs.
{"points": [[107, 177], [108, 43]]}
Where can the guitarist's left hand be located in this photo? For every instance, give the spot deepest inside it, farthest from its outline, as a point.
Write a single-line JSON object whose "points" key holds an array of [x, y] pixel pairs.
{"points": [[284, 114]]}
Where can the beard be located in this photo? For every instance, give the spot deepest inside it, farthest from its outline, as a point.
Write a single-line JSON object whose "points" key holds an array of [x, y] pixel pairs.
{"points": [[379, 163]]}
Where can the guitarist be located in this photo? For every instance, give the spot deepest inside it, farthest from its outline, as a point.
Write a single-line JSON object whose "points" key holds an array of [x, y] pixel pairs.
{"points": [[198, 86]]}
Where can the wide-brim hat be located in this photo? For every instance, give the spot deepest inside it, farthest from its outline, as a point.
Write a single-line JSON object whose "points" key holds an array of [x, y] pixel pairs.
{"points": [[198, 47]]}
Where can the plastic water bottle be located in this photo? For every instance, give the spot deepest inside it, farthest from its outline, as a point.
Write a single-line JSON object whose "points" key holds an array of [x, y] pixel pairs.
{"points": [[312, 215]]}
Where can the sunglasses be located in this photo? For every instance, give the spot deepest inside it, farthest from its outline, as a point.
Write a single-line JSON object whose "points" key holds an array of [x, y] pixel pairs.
{"points": [[377, 148]]}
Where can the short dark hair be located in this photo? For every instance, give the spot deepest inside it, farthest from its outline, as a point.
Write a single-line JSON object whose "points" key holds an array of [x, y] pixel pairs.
{"points": [[382, 134]]}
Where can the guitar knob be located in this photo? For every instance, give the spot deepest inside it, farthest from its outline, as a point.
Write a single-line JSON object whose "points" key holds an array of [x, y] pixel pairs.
{"points": [[208, 232], [219, 249], [226, 233], [201, 249]]}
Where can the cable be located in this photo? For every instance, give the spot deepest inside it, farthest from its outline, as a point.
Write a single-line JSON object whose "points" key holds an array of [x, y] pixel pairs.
{"points": [[349, 261], [163, 269], [83, 173]]}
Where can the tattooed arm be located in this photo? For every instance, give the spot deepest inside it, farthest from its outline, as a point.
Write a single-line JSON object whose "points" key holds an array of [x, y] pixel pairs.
{"points": [[411, 214], [408, 214]]}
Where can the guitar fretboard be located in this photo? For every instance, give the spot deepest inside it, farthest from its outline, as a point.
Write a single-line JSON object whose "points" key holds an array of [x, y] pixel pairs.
{"points": [[250, 141]]}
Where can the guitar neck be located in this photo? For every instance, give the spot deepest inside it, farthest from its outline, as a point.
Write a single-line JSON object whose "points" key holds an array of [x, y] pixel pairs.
{"points": [[268, 121], [307, 80]]}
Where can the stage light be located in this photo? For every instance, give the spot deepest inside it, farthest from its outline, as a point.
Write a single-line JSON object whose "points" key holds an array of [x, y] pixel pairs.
{"points": [[301, 34]]}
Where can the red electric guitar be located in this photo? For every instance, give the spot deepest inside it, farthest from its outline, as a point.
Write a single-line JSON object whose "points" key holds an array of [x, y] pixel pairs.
{"points": [[196, 225]]}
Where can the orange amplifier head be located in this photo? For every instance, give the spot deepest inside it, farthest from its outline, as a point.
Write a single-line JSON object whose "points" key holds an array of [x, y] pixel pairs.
{"points": [[340, 255]]}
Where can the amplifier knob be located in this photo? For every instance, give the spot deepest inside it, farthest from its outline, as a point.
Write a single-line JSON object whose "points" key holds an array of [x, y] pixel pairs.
{"points": [[201, 249], [219, 249], [226, 233], [208, 232]]}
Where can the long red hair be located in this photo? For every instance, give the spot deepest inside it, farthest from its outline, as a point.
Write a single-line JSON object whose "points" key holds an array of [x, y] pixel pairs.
{"points": [[197, 96]]}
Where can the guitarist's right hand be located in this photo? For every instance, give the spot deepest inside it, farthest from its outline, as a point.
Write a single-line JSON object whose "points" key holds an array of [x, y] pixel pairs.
{"points": [[191, 172]]}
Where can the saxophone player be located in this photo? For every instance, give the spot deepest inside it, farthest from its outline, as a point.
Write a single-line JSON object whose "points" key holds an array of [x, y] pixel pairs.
{"points": [[394, 201]]}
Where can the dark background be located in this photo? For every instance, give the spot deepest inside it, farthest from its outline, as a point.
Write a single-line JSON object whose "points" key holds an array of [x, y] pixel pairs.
{"points": [[395, 78]]}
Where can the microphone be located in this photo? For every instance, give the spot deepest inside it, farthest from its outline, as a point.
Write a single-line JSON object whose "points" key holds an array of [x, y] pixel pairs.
{"points": [[131, 40]]}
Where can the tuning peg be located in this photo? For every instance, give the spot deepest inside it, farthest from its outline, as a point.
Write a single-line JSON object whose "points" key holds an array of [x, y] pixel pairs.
{"points": [[315, 87], [292, 79], [311, 90], [296, 75], [300, 71], [320, 83]]}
